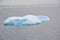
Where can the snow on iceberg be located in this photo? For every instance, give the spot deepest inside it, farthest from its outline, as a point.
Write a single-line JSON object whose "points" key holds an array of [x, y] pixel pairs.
{"points": [[25, 20]]}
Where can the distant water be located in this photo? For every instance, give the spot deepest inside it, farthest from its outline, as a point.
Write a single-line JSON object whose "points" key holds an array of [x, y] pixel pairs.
{"points": [[45, 31]]}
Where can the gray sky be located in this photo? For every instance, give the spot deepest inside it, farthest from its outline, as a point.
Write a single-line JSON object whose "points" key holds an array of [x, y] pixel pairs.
{"points": [[27, 2]]}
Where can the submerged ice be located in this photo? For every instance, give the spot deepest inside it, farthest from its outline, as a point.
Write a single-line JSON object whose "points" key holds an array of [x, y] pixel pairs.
{"points": [[25, 20]]}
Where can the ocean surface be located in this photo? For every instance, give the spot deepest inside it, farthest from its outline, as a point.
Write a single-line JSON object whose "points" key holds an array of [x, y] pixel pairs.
{"points": [[44, 31]]}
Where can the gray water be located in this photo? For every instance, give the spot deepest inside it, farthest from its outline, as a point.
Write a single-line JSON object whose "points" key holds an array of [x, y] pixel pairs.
{"points": [[44, 31]]}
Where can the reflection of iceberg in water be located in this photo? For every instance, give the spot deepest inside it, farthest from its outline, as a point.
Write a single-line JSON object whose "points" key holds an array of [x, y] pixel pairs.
{"points": [[27, 20]]}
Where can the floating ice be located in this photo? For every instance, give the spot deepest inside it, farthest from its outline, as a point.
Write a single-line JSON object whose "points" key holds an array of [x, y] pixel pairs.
{"points": [[25, 20], [43, 18]]}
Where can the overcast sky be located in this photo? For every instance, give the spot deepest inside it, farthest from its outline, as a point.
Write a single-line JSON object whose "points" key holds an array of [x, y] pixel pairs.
{"points": [[27, 2]]}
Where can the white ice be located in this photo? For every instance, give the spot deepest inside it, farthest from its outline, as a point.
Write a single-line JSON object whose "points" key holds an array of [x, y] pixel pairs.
{"points": [[25, 20]]}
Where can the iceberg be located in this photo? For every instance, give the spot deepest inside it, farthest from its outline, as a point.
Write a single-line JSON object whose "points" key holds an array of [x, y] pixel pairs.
{"points": [[25, 20]]}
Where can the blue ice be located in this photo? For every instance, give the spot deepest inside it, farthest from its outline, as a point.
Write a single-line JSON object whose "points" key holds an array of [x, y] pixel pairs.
{"points": [[26, 20], [43, 18]]}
